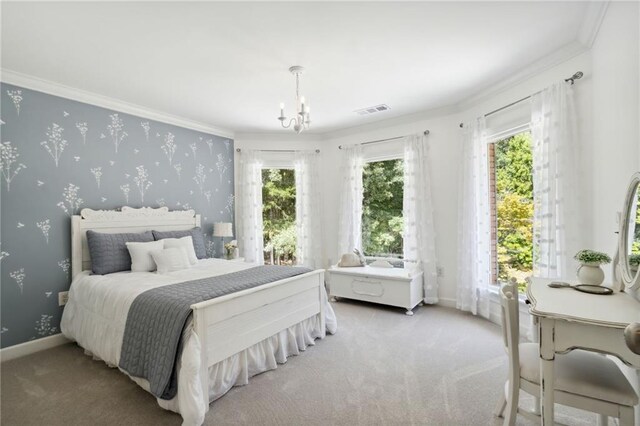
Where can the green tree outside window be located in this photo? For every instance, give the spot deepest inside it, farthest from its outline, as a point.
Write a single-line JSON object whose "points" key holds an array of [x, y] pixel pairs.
{"points": [[279, 216], [514, 207], [382, 223]]}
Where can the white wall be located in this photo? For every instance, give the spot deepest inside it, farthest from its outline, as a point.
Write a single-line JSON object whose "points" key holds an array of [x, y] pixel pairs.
{"points": [[615, 144], [445, 148], [607, 103], [444, 145]]}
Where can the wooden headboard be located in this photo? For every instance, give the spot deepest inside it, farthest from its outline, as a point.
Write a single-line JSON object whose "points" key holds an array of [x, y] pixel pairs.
{"points": [[127, 219]]}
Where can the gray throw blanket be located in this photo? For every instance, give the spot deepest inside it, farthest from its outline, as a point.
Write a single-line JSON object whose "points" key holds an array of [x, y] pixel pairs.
{"points": [[157, 317]]}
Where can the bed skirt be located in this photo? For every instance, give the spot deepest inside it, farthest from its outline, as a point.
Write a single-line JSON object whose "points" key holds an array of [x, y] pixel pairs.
{"points": [[235, 370]]}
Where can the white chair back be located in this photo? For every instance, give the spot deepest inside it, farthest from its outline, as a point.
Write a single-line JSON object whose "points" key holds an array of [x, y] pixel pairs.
{"points": [[511, 330]]}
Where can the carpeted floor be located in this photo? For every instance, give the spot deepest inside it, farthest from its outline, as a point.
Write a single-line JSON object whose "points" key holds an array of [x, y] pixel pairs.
{"points": [[439, 367]]}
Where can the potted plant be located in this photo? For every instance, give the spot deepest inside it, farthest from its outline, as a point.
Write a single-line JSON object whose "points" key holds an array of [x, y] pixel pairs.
{"points": [[589, 271]]}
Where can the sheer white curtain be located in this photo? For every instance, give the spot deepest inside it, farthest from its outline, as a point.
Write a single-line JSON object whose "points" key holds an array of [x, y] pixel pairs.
{"points": [[474, 226], [308, 209], [557, 219], [351, 191], [250, 241], [417, 210]]}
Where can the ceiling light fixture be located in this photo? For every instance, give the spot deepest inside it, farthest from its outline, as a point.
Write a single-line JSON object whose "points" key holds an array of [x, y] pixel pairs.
{"points": [[301, 120]]}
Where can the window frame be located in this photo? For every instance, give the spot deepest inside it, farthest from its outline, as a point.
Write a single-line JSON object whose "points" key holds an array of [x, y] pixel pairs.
{"points": [[376, 159], [493, 207], [279, 165]]}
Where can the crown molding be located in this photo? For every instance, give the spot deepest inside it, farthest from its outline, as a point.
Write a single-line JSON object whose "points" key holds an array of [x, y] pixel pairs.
{"points": [[271, 136], [593, 17], [56, 89], [569, 51], [395, 121]]}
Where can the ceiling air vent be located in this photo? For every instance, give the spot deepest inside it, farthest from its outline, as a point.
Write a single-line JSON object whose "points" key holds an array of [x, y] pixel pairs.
{"points": [[372, 110]]}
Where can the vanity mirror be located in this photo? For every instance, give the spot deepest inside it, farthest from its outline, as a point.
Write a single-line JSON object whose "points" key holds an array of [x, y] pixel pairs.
{"points": [[629, 238]]}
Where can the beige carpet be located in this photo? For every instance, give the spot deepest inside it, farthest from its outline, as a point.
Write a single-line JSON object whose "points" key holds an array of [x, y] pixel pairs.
{"points": [[439, 367]]}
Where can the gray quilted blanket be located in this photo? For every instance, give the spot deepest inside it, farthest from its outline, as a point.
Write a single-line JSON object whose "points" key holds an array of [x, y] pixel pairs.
{"points": [[157, 317]]}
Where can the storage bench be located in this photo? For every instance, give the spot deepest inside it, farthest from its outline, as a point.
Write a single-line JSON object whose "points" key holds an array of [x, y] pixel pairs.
{"points": [[387, 286]]}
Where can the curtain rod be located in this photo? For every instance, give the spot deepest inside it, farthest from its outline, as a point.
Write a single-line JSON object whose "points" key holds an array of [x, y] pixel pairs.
{"points": [[577, 76], [426, 132], [279, 150]]}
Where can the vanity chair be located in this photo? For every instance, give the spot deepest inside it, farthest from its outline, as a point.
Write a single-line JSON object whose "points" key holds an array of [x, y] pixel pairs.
{"points": [[584, 380]]}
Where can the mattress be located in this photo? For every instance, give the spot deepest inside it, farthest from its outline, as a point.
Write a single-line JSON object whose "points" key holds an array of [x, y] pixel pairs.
{"points": [[96, 314]]}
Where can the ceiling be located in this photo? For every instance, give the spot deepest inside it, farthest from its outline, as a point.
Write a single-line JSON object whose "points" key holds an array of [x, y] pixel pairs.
{"points": [[225, 64]]}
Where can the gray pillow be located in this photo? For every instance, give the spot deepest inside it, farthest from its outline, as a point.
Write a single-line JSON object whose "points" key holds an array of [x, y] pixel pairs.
{"points": [[196, 235], [109, 251]]}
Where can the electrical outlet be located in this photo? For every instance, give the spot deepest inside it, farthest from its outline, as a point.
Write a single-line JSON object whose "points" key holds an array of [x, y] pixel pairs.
{"points": [[440, 271], [63, 298]]}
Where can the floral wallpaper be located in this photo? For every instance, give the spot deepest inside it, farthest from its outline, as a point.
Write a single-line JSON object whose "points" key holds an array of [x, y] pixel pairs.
{"points": [[58, 156]]}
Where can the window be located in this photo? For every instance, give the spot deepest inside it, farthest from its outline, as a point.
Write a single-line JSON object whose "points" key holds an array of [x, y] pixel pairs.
{"points": [[279, 216], [511, 204], [382, 223]]}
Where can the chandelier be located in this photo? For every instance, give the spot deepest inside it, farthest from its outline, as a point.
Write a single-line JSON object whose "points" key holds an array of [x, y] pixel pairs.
{"points": [[301, 120]]}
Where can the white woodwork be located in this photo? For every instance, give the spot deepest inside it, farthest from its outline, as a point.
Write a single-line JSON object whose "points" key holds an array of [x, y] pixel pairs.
{"points": [[568, 319], [56, 89], [387, 286], [225, 325], [569, 304], [128, 219], [31, 347]]}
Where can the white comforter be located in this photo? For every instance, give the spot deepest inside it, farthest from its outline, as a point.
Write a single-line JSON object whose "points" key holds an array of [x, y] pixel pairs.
{"points": [[96, 314]]}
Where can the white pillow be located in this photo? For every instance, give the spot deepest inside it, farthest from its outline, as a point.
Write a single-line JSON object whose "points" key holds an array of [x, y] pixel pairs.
{"points": [[141, 260], [171, 259], [186, 243]]}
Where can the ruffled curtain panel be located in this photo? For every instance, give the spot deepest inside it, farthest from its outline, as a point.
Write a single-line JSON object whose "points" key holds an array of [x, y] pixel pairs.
{"points": [[557, 217], [249, 198], [350, 230], [474, 226], [308, 209], [417, 210]]}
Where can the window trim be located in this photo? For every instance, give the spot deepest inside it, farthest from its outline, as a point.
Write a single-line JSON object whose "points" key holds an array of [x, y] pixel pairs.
{"points": [[510, 132], [278, 166], [383, 157], [491, 140], [377, 159]]}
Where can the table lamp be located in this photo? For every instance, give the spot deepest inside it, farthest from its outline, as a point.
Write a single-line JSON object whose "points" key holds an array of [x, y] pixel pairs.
{"points": [[222, 230]]}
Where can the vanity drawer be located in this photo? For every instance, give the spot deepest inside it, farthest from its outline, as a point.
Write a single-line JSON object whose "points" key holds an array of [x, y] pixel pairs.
{"points": [[403, 293]]}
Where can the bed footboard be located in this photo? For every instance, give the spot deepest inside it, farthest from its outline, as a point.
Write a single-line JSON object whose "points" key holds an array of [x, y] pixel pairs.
{"points": [[232, 323]]}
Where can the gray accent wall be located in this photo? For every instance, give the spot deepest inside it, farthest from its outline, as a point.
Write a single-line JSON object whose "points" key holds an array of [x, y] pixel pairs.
{"points": [[59, 156]]}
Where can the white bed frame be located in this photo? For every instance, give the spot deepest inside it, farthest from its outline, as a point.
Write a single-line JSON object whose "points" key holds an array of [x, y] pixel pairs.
{"points": [[225, 325]]}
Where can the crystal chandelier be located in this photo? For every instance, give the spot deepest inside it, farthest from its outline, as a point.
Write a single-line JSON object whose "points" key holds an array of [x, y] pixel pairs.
{"points": [[301, 120]]}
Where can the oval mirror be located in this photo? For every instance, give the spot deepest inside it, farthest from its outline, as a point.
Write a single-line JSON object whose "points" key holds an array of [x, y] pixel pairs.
{"points": [[629, 242]]}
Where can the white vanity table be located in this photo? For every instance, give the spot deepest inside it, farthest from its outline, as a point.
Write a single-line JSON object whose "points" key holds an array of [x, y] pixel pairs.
{"points": [[568, 319]]}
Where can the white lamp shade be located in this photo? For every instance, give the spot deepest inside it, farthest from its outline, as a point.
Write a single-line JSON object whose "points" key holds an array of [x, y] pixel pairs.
{"points": [[223, 229]]}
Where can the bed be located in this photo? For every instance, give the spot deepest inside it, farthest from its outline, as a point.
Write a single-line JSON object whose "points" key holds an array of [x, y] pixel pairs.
{"points": [[229, 339]]}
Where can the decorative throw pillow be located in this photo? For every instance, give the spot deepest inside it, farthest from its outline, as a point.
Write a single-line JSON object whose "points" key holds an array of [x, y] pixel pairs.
{"points": [[196, 234], [170, 259], [141, 260], [186, 243], [109, 251]]}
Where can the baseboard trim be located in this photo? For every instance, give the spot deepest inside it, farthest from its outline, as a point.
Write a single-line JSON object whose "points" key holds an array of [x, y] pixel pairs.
{"points": [[447, 302], [22, 349]]}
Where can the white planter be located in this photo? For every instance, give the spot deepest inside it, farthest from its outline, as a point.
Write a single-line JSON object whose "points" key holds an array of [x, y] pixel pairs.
{"points": [[590, 273]]}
